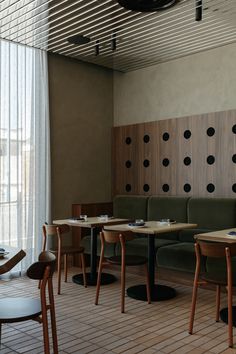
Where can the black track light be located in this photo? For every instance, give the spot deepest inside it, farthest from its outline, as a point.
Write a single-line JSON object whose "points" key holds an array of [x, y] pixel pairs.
{"points": [[147, 5], [113, 41], [198, 16], [97, 48]]}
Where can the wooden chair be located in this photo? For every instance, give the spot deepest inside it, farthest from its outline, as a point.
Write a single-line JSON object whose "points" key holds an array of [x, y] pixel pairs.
{"points": [[214, 250], [14, 256], [123, 260], [60, 251], [23, 309]]}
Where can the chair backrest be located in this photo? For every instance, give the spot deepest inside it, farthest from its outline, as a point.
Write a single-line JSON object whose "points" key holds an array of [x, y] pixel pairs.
{"points": [[215, 249], [114, 236], [37, 270], [52, 230]]}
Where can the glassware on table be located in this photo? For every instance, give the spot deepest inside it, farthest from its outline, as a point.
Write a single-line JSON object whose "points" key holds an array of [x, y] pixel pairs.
{"points": [[164, 222], [104, 217]]}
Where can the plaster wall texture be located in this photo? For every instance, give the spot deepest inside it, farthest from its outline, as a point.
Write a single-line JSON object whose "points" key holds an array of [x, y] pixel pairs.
{"points": [[201, 83], [81, 114]]}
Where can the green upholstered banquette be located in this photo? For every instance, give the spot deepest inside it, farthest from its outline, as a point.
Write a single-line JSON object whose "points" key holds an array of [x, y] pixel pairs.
{"points": [[173, 250]]}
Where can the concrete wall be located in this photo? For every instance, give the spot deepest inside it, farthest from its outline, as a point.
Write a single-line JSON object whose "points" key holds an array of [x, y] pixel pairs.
{"points": [[81, 114], [200, 83]]}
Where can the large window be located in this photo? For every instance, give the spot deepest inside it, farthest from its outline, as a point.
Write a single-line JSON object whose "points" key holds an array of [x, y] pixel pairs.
{"points": [[24, 147]]}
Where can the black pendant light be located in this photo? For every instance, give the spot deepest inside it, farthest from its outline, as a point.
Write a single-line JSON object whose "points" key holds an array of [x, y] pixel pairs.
{"points": [[78, 39], [147, 5]]}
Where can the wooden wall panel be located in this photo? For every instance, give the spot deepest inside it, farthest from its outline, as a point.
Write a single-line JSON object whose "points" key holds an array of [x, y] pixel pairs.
{"points": [[186, 156]]}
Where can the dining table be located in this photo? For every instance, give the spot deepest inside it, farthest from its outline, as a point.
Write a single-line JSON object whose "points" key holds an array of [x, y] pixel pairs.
{"points": [[151, 229], [226, 236], [95, 224], [10, 258]]}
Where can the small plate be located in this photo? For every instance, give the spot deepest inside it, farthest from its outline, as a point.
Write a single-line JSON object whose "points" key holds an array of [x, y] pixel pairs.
{"points": [[3, 254], [136, 224], [172, 221]]}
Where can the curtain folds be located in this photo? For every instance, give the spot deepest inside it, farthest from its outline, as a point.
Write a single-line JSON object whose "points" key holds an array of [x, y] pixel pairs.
{"points": [[24, 148]]}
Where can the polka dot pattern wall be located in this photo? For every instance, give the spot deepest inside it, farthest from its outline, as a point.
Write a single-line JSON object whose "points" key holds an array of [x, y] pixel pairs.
{"points": [[186, 156]]}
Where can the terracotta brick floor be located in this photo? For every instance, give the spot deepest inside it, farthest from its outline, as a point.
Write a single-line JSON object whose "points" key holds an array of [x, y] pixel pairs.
{"points": [[85, 328]]}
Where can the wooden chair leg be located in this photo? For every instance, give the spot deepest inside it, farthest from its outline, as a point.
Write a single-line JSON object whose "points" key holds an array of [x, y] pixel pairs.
{"points": [[83, 269], [59, 274], [44, 320], [99, 279], [218, 289], [230, 295], [193, 306], [123, 286], [66, 266], [147, 285], [230, 314], [53, 317]]}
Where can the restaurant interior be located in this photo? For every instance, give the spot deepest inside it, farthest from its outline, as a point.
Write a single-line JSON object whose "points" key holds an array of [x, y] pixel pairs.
{"points": [[117, 176]]}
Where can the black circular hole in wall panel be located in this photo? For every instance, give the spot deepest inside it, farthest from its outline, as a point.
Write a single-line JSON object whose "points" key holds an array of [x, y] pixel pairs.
{"points": [[165, 162], [128, 164], [187, 161], [146, 138], [210, 159], [210, 131], [187, 134], [234, 158], [146, 163], [234, 128], [234, 187], [187, 187], [165, 187], [210, 187], [128, 140], [128, 187], [146, 187], [165, 136]]}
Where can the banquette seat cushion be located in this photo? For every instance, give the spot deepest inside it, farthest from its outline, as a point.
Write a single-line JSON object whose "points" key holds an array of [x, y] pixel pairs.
{"points": [[209, 214]]}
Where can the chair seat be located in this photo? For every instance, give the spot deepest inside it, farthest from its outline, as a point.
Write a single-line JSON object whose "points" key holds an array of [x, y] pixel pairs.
{"points": [[19, 309], [130, 260], [69, 250], [216, 278]]}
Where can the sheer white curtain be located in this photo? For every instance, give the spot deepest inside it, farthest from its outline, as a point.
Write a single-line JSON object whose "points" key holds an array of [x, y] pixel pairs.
{"points": [[24, 148]]}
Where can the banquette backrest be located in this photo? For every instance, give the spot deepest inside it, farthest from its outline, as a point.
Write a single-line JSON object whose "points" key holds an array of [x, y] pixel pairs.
{"points": [[212, 213], [208, 213], [131, 207], [160, 207]]}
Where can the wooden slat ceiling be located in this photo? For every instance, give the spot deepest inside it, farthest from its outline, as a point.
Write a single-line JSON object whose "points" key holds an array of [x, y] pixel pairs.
{"points": [[142, 39]]}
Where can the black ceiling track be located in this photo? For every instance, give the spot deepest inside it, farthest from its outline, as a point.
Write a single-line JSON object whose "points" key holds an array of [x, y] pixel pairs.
{"points": [[147, 5]]}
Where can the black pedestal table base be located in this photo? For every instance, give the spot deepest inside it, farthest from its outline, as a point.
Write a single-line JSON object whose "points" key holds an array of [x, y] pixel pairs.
{"points": [[106, 278], [159, 292], [224, 315]]}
